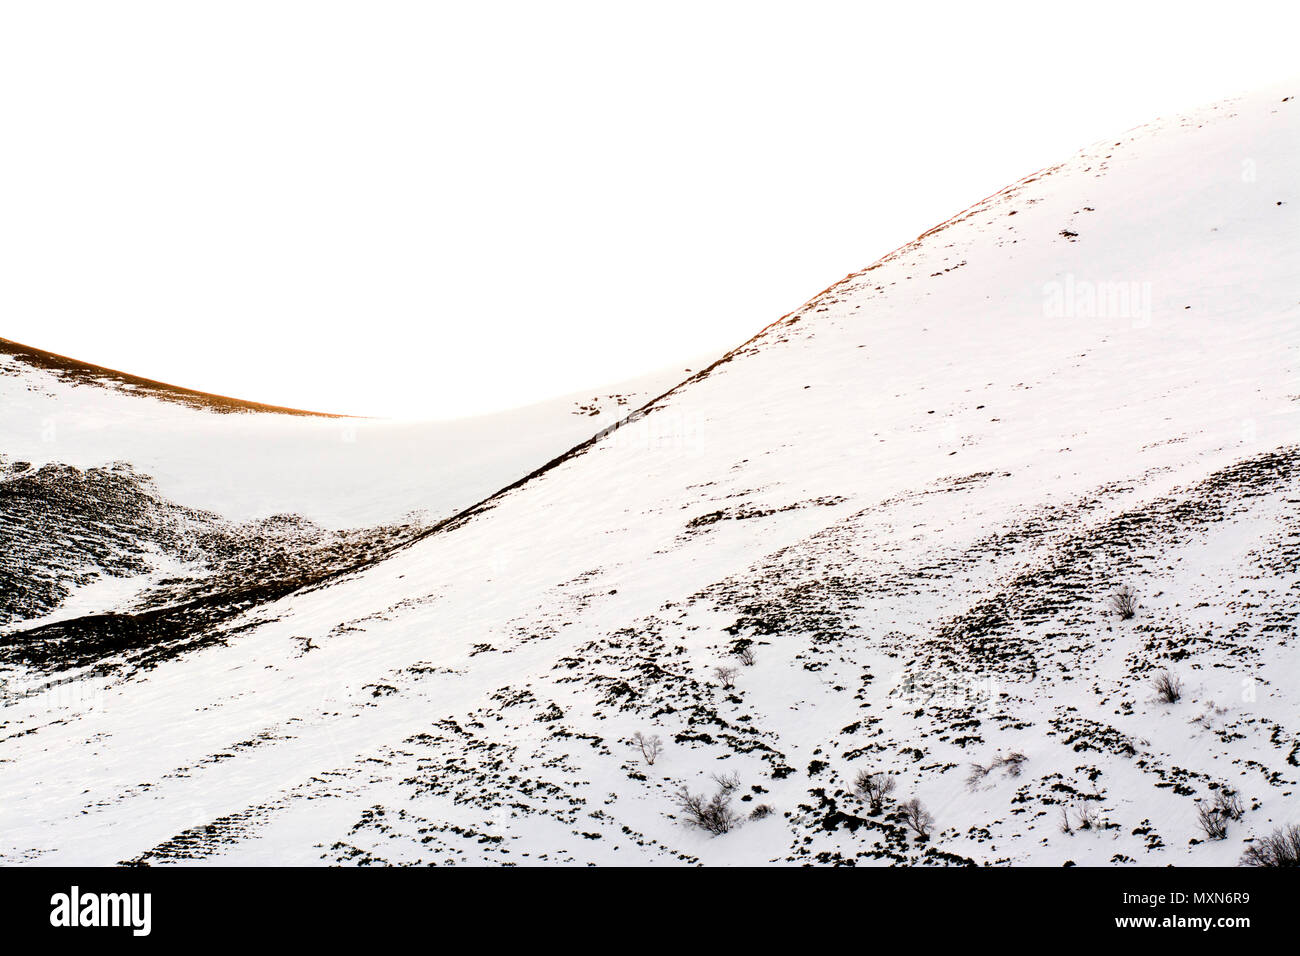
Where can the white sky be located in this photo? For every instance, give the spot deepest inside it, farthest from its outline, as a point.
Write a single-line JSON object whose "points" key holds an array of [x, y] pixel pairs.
{"points": [[434, 209]]}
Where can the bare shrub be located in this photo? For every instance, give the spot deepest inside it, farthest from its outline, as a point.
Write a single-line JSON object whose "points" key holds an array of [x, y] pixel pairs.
{"points": [[1214, 823], [1168, 687], [1065, 821], [1087, 817], [745, 655], [726, 676], [761, 811], [1279, 848], [874, 788], [650, 747], [916, 816], [1012, 763], [1124, 603], [1009, 764], [977, 774], [710, 814], [728, 783], [1228, 803]]}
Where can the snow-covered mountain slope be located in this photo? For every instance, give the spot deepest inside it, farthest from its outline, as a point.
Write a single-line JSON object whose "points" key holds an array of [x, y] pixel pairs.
{"points": [[120, 493], [909, 502]]}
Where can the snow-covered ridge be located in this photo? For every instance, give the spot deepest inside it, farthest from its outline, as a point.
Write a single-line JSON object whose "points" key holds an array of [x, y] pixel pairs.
{"points": [[910, 501], [75, 372]]}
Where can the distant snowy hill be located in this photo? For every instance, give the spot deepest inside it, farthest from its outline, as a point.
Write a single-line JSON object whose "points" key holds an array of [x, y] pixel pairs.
{"points": [[248, 461], [895, 520], [125, 494]]}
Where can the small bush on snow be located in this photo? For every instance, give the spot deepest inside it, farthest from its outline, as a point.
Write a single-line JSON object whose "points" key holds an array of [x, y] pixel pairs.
{"points": [[916, 816], [651, 747], [711, 814], [1281, 848], [1228, 803], [874, 788], [1010, 765], [1212, 821], [1168, 687], [1124, 603]]}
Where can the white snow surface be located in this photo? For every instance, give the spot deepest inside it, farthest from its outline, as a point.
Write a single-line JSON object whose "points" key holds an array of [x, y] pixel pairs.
{"points": [[914, 495]]}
